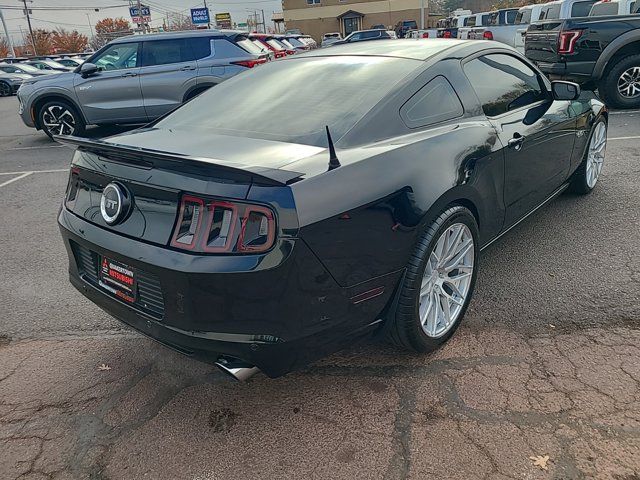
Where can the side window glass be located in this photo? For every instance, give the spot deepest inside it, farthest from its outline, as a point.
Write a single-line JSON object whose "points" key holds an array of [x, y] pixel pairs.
{"points": [[435, 102], [581, 9], [503, 83], [164, 52], [118, 57], [226, 49]]}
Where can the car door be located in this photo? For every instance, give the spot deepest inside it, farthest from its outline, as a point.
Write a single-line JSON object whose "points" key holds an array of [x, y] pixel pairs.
{"points": [[537, 133], [168, 71], [113, 93]]}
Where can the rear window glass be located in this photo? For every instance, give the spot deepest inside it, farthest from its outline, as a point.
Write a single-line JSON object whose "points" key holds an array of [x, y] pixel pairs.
{"points": [[552, 12], [293, 100], [471, 21], [606, 8], [523, 17], [295, 42], [275, 44], [249, 46], [511, 16], [581, 9]]}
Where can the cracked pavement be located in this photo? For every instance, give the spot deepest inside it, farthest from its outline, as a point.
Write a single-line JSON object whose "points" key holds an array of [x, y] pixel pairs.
{"points": [[546, 362]]}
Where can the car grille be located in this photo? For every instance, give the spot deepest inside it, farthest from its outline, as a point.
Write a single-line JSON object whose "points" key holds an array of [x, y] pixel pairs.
{"points": [[150, 298]]}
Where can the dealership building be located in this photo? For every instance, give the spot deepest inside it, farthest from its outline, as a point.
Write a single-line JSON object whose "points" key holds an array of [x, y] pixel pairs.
{"points": [[316, 17]]}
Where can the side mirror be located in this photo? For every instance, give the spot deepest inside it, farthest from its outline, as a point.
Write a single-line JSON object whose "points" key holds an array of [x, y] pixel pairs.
{"points": [[565, 90], [88, 69]]}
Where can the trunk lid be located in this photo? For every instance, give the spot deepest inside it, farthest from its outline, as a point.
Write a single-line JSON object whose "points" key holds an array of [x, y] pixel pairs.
{"points": [[156, 178]]}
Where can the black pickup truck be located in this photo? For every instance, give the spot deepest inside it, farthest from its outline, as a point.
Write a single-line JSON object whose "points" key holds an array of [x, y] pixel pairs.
{"points": [[597, 52]]}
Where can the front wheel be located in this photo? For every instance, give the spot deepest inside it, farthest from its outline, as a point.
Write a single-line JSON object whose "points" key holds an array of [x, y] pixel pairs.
{"points": [[586, 176], [5, 89], [439, 282], [58, 117]]}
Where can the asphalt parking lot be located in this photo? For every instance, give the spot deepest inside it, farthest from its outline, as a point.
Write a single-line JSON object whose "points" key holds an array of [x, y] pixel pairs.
{"points": [[542, 380]]}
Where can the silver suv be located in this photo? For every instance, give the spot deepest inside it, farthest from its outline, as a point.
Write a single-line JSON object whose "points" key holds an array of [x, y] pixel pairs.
{"points": [[135, 79]]}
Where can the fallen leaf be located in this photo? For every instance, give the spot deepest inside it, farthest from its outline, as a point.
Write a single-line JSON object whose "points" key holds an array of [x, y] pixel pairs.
{"points": [[540, 461], [103, 367]]}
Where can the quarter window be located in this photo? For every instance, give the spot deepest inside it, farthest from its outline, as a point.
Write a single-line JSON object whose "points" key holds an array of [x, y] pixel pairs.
{"points": [[503, 83], [117, 57], [435, 102], [511, 16]]}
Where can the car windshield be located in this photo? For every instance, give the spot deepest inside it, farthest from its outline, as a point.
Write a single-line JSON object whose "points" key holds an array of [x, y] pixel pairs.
{"points": [[293, 100]]}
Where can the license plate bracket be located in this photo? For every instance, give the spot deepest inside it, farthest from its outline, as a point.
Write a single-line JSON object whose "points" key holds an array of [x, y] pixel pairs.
{"points": [[118, 279]]}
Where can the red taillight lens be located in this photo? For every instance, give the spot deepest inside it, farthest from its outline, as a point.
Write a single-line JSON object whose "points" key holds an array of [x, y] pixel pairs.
{"points": [[567, 41], [250, 63], [446, 34], [425, 35], [214, 226], [487, 35]]}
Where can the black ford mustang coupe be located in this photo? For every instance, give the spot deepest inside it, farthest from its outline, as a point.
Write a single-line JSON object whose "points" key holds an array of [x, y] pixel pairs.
{"points": [[323, 198]]}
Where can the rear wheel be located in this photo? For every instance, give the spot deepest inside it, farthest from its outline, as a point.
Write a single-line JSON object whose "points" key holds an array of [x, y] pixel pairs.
{"points": [[620, 87], [5, 89], [439, 282], [58, 117]]}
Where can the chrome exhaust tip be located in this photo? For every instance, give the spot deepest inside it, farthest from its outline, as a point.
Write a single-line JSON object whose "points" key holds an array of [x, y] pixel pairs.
{"points": [[238, 369]]}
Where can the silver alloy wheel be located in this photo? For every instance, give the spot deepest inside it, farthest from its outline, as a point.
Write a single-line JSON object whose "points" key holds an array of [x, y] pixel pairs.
{"points": [[59, 120], [629, 83], [5, 89], [447, 280], [595, 156]]}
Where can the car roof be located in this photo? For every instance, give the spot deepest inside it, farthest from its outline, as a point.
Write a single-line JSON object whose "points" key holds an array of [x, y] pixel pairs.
{"points": [[169, 35], [415, 49]]}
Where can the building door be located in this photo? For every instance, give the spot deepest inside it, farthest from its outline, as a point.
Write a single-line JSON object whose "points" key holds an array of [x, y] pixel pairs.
{"points": [[350, 25]]}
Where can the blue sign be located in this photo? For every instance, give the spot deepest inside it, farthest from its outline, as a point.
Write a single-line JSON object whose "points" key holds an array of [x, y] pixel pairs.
{"points": [[133, 11], [199, 16]]}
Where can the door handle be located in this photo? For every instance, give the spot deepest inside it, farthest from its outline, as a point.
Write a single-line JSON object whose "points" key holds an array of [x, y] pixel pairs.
{"points": [[129, 74], [516, 142], [188, 67]]}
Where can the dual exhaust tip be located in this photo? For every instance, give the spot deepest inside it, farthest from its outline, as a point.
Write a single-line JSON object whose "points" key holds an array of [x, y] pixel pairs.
{"points": [[236, 368]]}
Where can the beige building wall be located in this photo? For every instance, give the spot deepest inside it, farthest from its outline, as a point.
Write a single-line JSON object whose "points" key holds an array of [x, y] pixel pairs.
{"points": [[318, 19]]}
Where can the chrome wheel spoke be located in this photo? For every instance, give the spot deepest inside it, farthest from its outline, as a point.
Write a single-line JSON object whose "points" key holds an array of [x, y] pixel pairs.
{"points": [[447, 279]]}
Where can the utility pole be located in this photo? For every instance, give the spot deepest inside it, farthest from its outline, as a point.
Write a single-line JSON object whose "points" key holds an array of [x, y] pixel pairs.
{"points": [[33, 40], [6, 32], [264, 27], [141, 24], [208, 14], [422, 14]]}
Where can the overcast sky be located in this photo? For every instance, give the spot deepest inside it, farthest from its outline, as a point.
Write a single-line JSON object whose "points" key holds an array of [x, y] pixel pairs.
{"points": [[74, 19]]}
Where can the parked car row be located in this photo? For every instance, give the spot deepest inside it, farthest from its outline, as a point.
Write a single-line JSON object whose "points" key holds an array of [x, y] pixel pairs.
{"points": [[136, 79], [14, 71]]}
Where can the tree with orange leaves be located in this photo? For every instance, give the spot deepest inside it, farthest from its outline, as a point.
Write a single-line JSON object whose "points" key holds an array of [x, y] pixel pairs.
{"points": [[68, 42], [40, 41], [109, 28]]}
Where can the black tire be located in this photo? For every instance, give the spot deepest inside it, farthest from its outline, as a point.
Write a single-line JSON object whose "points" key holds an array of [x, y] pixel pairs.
{"points": [[608, 86], [62, 109], [405, 329], [6, 90], [579, 183]]}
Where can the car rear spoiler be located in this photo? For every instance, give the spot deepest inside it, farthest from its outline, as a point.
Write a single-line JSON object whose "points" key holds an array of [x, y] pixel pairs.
{"points": [[144, 157]]}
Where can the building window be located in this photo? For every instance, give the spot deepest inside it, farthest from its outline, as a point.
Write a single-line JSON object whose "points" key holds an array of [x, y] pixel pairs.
{"points": [[313, 2]]}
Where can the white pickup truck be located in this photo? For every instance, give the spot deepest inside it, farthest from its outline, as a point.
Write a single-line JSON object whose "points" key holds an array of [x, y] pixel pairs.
{"points": [[614, 7], [475, 20], [563, 9], [525, 16], [501, 28]]}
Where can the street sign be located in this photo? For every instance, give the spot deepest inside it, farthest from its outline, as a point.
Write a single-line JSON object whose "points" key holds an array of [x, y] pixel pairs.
{"points": [[136, 18], [199, 16], [223, 20]]}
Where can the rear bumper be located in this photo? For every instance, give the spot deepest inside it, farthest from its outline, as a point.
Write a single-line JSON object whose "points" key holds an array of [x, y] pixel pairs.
{"points": [[579, 72], [277, 316]]}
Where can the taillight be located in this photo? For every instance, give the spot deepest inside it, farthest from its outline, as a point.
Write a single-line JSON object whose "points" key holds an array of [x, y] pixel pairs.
{"points": [[487, 35], [567, 41], [215, 226], [291, 52], [425, 35], [250, 63], [446, 34]]}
